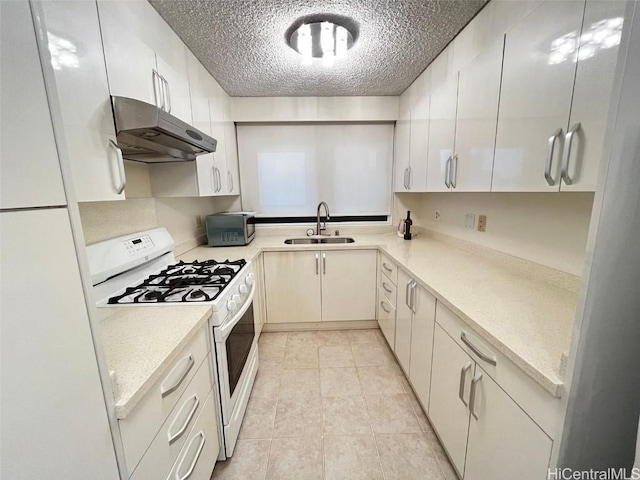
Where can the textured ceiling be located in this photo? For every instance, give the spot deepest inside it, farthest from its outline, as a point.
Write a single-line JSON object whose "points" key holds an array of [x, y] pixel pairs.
{"points": [[242, 43]]}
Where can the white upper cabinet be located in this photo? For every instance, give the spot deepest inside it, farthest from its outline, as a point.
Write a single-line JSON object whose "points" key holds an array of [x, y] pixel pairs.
{"points": [[477, 119], [30, 171], [419, 142], [402, 152], [171, 59], [73, 34], [442, 131], [537, 85], [597, 56], [232, 183]]}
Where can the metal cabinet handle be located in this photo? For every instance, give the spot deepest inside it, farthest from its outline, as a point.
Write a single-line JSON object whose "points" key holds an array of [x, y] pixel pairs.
{"points": [[387, 267], [121, 172], [384, 308], [157, 92], [386, 287], [214, 185], [216, 172], [463, 381], [406, 170], [317, 263], [194, 460], [547, 168], [409, 178], [407, 296], [453, 172], [230, 180], [324, 263], [167, 93], [175, 436], [184, 366], [413, 296], [476, 350], [566, 155], [472, 395], [447, 173]]}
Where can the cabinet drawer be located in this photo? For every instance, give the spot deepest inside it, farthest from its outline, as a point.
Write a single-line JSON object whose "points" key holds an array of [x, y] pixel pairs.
{"points": [[386, 316], [200, 451], [539, 404], [174, 432], [142, 424], [388, 289], [389, 268]]}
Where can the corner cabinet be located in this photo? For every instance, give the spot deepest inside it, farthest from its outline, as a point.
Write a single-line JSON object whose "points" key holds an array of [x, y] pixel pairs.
{"points": [[315, 286]]}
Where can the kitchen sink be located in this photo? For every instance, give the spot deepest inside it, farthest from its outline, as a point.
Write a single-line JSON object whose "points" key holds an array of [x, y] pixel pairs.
{"points": [[315, 240]]}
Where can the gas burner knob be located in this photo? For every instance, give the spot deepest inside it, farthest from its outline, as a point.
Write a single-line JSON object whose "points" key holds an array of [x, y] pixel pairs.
{"points": [[243, 289], [232, 305], [249, 279], [235, 298]]}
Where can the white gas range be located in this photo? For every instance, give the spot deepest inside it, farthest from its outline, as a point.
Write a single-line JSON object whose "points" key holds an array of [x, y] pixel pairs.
{"points": [[141, 270]]}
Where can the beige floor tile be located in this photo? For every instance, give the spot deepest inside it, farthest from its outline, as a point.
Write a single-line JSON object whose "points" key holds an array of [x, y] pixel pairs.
{"points": [[333, 337], [298, 417], [392, 414], [302, 339], [360, 337], [258, 419], [301, 382], [351, 457], [267, 383], [380, 380], [273, 340], [339, 382], [423, 421], [301, 357], [249, 462], [407, 456], [295, 459], [336, 356], [272, 362], [443, 461], [372, 354], [345, 416]]}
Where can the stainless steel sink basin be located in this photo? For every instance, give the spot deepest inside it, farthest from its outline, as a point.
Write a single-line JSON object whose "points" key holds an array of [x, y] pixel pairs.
{"points": [[316, 240]]}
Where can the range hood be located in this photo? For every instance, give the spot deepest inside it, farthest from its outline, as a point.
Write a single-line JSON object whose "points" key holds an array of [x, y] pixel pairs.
{"points": [[148, 134]]}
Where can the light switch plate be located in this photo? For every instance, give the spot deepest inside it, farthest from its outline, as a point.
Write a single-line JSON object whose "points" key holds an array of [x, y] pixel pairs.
{"points": [[470, 220], [482, 223]]}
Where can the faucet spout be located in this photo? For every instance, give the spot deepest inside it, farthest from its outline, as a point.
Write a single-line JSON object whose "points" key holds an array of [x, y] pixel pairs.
{"points": [[319, 229]]}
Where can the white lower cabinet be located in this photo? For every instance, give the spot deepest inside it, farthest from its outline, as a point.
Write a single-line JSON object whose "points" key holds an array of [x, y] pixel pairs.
{"points": [[422, 325], [313, 286], [386, 316], [404, 313]]}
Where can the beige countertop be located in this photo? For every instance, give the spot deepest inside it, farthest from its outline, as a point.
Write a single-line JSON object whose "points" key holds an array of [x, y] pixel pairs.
{"points": [[141, 343], [526, 318]]}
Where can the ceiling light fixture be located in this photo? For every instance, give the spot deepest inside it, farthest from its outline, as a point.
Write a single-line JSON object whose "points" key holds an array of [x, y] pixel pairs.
{"points": [[323, 39]]}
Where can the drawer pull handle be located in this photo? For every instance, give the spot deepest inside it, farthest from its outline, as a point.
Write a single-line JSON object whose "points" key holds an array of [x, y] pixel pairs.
{"points": [[384, 308], [476, 350], [463, 380], [196, 456], [173, 437], [386, 287], [184, 366], [472, 395], [387, 267]]}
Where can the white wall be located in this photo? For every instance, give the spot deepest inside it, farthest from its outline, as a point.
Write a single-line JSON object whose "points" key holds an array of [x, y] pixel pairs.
{"points": [[545, 228]]}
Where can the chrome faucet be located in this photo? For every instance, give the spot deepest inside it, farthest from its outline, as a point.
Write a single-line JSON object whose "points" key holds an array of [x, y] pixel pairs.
{"points": [[319, 229]]}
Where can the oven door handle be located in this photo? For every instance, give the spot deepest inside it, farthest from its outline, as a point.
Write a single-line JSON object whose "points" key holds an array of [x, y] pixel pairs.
{"points": [[221, 333]]}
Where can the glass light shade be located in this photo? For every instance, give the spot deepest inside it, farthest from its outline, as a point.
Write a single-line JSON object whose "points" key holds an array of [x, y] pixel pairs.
{"points": [[325, 40]]}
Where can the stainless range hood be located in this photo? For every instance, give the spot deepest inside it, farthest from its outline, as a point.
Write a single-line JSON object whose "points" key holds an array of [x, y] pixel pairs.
{"points": [[148, 134]]}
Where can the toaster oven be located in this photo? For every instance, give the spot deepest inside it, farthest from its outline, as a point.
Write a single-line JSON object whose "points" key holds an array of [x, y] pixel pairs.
{"points": [[230, 229]]}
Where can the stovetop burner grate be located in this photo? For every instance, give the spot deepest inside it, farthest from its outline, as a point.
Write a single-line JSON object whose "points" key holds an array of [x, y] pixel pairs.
{"points": [[183, 282]]}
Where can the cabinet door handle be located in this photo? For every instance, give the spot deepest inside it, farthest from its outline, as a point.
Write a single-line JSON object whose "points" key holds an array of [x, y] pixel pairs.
{"points": [[317, 263], [167, 93], [213, 180], [172, 437], [472, 395], [384, 308], [463, 381], [447, 173], [324, 264], [407, 295], [387, 267], [158, 91], [121, 172], [194, 460], [386, 287], [230, 180], [476, 350], [406, 181], [184, 366], [566, 155], [547, 168], [413, 296], [453, 172]]}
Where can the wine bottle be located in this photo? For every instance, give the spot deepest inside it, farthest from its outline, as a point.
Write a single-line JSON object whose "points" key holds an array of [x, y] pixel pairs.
{"points": [[407, 226]]}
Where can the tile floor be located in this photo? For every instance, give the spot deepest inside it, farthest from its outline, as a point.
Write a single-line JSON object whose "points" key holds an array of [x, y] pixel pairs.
{"points": [[333, 405]]}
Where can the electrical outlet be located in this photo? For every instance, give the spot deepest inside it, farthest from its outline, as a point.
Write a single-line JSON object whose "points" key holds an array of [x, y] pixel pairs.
{"points": [[482, 223], [470, 220], [437, 215], [198, 221]]}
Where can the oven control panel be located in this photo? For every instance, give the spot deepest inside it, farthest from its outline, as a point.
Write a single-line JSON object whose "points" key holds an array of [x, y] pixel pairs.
{"points": [[139, 244]]}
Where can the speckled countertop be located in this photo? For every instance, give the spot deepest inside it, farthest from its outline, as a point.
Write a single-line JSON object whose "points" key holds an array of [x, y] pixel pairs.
{"points": [[524, 317], [141, 343]]}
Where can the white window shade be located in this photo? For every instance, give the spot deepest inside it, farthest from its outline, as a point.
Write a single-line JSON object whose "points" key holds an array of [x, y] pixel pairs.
{"points": [[286, 169]]}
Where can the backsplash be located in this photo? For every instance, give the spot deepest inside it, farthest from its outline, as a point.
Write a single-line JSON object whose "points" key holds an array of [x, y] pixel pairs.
{"points": [[545, 228]]}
